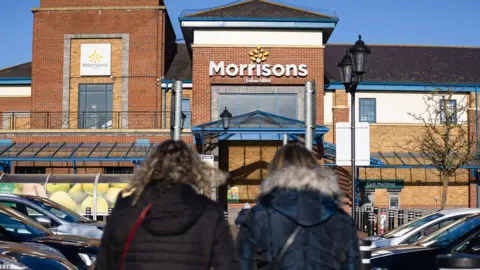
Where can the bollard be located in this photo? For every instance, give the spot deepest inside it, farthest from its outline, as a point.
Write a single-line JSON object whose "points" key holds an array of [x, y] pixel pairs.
{"points": [[109, 213], [411, 216], [400, 217], [365, 253], [365, 219], [371, 224], [357, 217], [225, 214], [88, 213], [418, 214], [458, 261], [391, 219]]}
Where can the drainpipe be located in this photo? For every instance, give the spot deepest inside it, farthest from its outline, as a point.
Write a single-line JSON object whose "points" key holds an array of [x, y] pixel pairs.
{"points": [[165, 105], [476, 143]]}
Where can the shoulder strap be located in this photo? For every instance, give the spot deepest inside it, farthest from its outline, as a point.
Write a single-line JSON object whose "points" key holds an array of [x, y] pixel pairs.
{"points": [[288, 243], [131, 235]]}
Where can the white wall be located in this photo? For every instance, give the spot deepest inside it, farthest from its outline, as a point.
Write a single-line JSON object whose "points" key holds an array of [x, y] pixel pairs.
{"points": [[15, 91], [258, 37], [394, 107], [328, 107]]}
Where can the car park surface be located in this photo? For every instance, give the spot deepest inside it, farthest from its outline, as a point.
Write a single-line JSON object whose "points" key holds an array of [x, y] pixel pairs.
{"points": [[415, 230], [59, 219], [461, 236], [15, 227]]}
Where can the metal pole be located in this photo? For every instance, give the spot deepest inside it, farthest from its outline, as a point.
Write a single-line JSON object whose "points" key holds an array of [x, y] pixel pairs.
{"points": [[309, 125], [476, 143], [177, 128], [354, 169], [285, 139]]}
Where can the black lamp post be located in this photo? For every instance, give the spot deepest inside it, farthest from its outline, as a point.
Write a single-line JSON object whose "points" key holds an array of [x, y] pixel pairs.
{"points": [[226, 117], [352, 67]]}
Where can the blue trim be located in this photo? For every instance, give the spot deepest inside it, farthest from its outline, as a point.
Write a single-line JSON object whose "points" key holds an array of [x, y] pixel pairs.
{"points": [[16, 81], [68, 159], [171, 81], [403, 86], [325, 20]]}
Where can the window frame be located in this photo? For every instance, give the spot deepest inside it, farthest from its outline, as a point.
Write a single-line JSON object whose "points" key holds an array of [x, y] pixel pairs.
{"points": [[41, 170], [81, 111], [444, 105], [362, 110], [236, 112], [106, 169]]}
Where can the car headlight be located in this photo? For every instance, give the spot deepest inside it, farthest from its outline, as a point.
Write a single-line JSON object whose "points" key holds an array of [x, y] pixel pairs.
{"points": [[88, 259], [381, 252]]}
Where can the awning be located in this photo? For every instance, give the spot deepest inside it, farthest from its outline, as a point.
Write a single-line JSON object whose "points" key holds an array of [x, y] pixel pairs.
{"points": [[256, 125], [75, 151]]}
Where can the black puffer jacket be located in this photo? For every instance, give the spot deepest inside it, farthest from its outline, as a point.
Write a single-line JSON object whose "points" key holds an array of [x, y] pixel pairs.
{"points": [[306, 198], [183, 230]]}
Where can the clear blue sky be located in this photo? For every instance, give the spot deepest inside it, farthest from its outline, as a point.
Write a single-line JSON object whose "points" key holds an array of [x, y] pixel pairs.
{"points": [[426, 22]]}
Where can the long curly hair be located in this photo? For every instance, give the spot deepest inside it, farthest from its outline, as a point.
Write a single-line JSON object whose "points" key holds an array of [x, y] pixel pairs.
{"points": [[174, 162]]}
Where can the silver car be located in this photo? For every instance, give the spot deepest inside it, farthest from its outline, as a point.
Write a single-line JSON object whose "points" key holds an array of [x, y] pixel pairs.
{"points": [[413, 231], [59, 219]]}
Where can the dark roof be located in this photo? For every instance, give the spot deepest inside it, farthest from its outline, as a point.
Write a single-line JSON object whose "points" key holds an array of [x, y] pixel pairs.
{"points": [[258, 9], [18, 71], [412, 64], [181, 67]]}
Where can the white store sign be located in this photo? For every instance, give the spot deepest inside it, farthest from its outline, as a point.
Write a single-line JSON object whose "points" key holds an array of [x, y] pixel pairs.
{"points": [[95, 59]]}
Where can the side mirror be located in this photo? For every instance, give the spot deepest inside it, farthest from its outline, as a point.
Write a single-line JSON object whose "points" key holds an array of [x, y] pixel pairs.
{"points": [[44, 221]]}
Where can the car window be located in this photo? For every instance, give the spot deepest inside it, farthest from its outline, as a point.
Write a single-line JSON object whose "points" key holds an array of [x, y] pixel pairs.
{"points": [[18, 230], [431, 229], [412, 239], [408, 227], [59, 210], [452, 232]]}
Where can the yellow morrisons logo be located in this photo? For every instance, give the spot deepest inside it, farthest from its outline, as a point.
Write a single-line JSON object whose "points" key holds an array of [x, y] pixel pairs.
{"points": [[258, 55], [95, 57]]}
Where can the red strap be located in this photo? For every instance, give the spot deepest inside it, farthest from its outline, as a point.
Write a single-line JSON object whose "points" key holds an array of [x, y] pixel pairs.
{"points": [[132, 233]]}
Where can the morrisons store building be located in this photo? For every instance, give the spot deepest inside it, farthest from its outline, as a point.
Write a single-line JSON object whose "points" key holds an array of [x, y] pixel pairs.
{"points": [[96, 97]]}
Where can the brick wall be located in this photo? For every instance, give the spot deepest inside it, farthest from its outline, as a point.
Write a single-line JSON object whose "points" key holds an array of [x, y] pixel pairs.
{"points": [[146, 62], [202, 82], [98, 3]]}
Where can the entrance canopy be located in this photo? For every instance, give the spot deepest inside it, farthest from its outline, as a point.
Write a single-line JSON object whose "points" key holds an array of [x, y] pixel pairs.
{"points": [[255, 126]]}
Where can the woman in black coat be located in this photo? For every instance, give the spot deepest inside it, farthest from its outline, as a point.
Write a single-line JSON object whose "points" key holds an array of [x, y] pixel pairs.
{"points": [[302, 202], [182, 229]]}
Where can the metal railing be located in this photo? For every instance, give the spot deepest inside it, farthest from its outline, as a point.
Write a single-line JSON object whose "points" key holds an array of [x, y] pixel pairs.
{"points": [[89, 120]]}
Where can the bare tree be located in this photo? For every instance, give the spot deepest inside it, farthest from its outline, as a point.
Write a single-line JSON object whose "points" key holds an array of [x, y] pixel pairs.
{"points": [[444, 140]]}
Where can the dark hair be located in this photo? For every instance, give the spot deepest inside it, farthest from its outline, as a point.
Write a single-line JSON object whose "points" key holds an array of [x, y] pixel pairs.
{"points": [[293, 155]]}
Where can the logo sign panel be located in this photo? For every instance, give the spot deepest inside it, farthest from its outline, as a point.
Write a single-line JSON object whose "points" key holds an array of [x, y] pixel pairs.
{"points": [[258, 68], [95, 59], [391, 184]]}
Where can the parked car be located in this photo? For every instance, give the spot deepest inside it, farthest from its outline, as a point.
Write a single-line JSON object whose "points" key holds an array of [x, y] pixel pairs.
{"points": [[461, 236], [16, 227], [24, 256], [415, 230], [59, 219]]}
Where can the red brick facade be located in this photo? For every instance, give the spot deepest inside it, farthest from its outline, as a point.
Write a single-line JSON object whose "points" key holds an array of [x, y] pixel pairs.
{"points": [[202, 82], [98, 3]]}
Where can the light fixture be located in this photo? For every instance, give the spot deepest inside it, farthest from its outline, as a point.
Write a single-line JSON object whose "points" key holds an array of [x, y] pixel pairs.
{"points": [[226, 117]]}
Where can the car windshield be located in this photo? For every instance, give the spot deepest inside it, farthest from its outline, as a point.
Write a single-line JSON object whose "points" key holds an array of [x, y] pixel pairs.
{"points": [[452, 232], [408, 227], [20, 227], [59, 210]]}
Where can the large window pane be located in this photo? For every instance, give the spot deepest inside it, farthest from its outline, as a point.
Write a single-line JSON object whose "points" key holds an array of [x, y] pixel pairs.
{"points": [[229, 101], [267, 103], [95, 106], [247, 103], [287, 106], [368, 110]]}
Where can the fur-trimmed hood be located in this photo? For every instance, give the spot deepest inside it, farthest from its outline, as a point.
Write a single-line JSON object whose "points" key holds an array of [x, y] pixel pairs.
{"points": [[307, 196]]}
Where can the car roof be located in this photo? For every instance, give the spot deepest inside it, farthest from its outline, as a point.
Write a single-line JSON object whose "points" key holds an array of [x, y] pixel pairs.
{"points": [[459, 211]]}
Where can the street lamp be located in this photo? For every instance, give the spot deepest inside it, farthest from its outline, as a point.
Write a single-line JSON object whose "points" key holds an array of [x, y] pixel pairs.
{"points": [[226, 117], [352, 67]]}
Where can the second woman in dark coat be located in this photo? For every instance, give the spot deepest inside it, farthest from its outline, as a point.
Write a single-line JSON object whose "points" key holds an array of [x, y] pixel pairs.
{"points": [[182, 230]]}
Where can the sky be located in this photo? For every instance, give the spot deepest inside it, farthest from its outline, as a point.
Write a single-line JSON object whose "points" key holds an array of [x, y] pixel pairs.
{"points": [[419, 22]]}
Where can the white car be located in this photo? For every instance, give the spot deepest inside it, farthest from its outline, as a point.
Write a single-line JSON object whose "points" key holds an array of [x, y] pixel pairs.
{"points": [[413, 231]]}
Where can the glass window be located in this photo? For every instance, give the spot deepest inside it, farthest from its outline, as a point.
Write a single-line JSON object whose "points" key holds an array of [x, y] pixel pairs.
{"points": [[408, 227], [448, 110], [452, 232], [279, 104], [368, 110], [118, 170], [95, 106], [59, 210], [30, 170], [21, 229], [187, 111]]}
